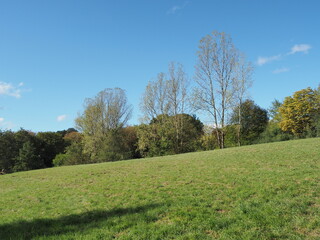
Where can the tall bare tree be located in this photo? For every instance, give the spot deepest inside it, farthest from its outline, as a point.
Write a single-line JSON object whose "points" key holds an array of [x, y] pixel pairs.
{"points": [[167, 95], [241, 83], [155, 101], [177, 86], [217, 76]]}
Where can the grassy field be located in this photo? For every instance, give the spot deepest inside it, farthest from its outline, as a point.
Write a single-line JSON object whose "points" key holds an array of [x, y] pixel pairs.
{"points": [[267, 191]]}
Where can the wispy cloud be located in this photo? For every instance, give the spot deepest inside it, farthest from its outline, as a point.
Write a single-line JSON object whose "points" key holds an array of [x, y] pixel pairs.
{"points": [[304, 48], [9, 90], [263, 60], [5, 124], [176, 8], [61, 118], [280, 70]]}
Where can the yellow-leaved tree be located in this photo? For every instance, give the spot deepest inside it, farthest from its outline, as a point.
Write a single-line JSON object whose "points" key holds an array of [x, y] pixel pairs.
{"points": [[299, 112]]}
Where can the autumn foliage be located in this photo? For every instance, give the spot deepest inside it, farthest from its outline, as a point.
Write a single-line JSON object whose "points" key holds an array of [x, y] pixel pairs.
{"points": [[299, 113]]}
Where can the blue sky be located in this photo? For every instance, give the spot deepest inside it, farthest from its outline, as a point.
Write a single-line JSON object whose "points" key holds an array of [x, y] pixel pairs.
{"points": [[54, 54]]}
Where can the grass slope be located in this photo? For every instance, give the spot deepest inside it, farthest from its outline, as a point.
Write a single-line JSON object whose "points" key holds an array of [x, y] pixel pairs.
{"points": [[267, 191]]}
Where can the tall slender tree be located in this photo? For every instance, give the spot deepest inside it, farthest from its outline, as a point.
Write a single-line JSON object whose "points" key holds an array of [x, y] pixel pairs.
{"points": [[241, 83], [154, 99], [219, 71], [167, 96], [177, 89]]}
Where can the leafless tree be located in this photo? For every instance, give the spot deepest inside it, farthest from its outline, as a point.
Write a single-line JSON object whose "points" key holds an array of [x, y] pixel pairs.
{"points": [[241, 83], [108, 110], [217, 76], [155, 101], [177, 86], [167, 94]]}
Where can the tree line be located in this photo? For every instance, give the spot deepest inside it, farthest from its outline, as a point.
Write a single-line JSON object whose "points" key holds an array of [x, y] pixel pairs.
{"points": [[169, 125], [24, 150]]}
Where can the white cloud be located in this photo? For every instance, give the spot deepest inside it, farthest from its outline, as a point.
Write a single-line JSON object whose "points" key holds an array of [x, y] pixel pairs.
{"points": [[263, 60], [281, 70], [176, 8], [10, 90], [300, 48], [61, 118], [5, 124], [304, 48]]}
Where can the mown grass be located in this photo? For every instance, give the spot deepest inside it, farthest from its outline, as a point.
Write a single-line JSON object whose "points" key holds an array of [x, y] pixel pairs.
{"points": [[267, 191]]}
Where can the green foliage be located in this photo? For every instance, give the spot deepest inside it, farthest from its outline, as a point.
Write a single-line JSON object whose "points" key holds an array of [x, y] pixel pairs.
{"points": [[154, 140], [24, 150], [231, 135], [265, 191], [117, 144], [273, 133], [130, 141], [8, 151], [113, 148], [317, 125], [28, 158], [27, 151], [273, 111], [52, 144], [208, 142], [60, 160], [101, 123], [170, 135], [74, 152], [253, 121]]}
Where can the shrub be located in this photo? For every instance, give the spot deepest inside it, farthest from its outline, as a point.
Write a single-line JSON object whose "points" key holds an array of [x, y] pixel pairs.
{"points": [[60, 159]]}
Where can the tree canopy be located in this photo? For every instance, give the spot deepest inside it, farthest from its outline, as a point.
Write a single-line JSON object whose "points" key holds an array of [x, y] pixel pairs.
{"points": [[299, 112], [101, 122], [254, 121]]}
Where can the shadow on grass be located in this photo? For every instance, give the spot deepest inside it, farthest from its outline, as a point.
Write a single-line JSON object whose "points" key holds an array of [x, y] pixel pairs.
{"points": [[67, 224]]}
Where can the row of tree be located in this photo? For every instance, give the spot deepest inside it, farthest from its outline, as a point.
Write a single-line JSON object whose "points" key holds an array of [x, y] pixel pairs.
{"points": [[25, 150], [170, 126], [104, 135]]}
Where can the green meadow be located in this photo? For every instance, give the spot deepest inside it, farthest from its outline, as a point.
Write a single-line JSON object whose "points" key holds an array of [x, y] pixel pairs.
{"points": [[266, 191]]}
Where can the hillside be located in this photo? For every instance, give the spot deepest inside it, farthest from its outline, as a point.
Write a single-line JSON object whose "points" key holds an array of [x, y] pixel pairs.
{"points": [[267, 191]]}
